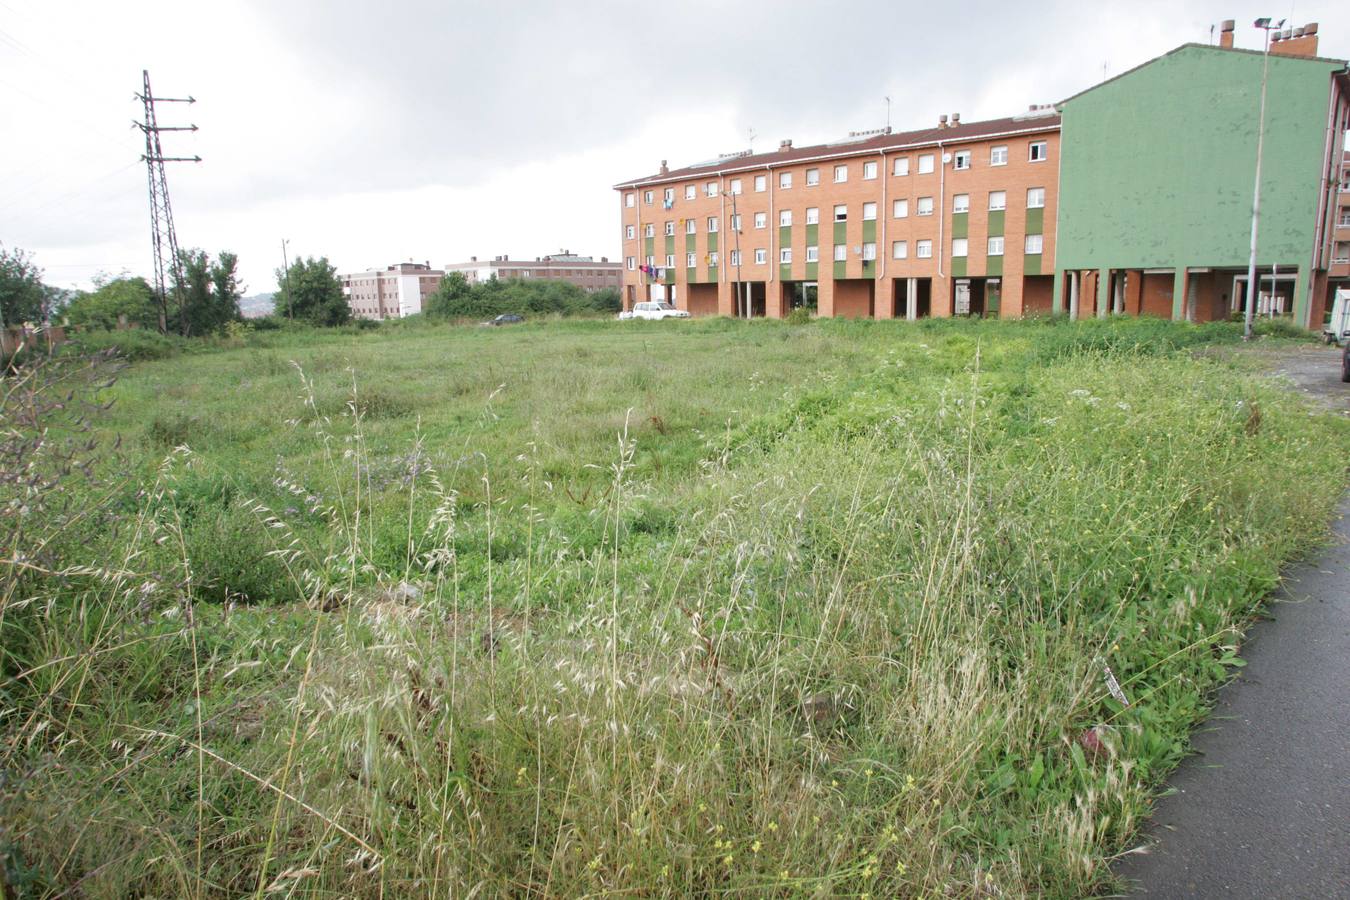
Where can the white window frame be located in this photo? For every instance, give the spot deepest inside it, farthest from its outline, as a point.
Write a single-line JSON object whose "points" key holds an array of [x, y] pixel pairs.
{"points": [[761, 220], [960, 248], [670, 260], [998, 155], [869, 170], [668, 195], [761, 183], [900, 209], [785, 181], [712, 258], [690, 260], [630, 199], [961, 160], [670, 229], [901, 166], [813, 254], [691, 226], [923, 206], [647, 197], [1044, 154], [712, 224], [840, 174], [1038, 194], [993, 248], [869, 251], [649, 231], [785, 218], [736, 222], [734, 258], [869, 212], [813, 215], [841, 252], [651, 261], [812, 177], [926, 164], [1038, 240], [900, 250], [923, 250], [960, 203], [690, 191], [1002, 200], [734, 187], [631, 262], [784, 255], [761, 256], [710, 189], [841, 212], [630, 232]]}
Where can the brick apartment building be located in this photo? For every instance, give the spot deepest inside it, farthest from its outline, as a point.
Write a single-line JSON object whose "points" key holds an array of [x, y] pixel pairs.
{"points": [[583, 271], [964, 218], [390, 293], [1339, 273]]}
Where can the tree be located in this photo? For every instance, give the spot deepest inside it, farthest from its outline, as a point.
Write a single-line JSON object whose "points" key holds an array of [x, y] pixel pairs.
{"points": [[112, 299], [208, 293], [310, 291], [23, 297], [450, 297]]}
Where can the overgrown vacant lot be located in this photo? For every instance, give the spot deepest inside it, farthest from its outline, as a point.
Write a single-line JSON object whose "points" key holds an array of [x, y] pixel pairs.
{"points": [[652, 608]]}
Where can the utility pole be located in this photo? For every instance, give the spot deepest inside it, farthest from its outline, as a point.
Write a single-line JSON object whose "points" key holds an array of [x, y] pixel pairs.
{"points": [[741, 303], [286, 281], [1265, 25], [168, 267]]}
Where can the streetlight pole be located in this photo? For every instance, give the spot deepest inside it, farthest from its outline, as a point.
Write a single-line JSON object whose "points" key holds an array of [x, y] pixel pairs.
{"points": [[286, 275], [1264, 25]]}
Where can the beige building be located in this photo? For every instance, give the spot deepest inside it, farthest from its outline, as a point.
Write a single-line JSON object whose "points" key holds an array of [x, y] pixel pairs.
{"points": [[390, 293], [583, 271]]}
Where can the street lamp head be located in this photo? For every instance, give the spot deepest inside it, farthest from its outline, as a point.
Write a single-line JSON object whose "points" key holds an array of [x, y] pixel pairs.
{"points": [[1265, 23]]}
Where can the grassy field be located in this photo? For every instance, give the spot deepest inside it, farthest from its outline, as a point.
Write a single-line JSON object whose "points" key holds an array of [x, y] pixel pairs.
{"points": [[589, 608]]}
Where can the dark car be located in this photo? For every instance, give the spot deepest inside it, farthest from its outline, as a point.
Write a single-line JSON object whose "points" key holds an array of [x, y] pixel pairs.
{"points": [[506, 319], [1345, 362]]}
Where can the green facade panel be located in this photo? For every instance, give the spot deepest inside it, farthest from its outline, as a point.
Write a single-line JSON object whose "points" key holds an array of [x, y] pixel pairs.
{"points": [[1035, 221], [691, 276], [712, 242], [960, 225], [996, 217], [649, 246], [1031, 264], [993, 267], [784, 235], [869, 231], [958, 267], [812, 235], [841, 269], [784, 271], [841, 232], [812, 271]]}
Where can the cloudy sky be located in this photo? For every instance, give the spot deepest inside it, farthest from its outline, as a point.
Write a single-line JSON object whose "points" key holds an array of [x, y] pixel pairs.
{"points": [[410, 129]]}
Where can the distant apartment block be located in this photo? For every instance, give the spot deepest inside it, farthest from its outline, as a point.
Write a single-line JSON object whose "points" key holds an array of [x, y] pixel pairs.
{"points": [[583, 271], [1340, 262], [390, 293]]}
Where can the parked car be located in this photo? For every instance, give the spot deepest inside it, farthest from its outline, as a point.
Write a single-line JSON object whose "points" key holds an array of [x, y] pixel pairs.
{"points": [[656, 309], [1337, 329], [506, 319], [1345, 362]]}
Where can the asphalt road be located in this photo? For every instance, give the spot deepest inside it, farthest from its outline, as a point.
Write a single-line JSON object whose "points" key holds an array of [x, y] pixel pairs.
{"points": [[1263, 810]]}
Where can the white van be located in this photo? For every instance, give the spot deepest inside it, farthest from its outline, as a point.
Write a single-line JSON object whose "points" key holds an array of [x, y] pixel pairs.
{"points": [[1337, 328]]}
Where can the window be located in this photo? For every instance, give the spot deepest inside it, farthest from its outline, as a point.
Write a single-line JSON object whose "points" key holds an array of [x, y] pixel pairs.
{"points": [[998, 200], [902, 209], [925, 206], [785, 180], [690, 260], [630, 232], [925, 163], [1035, 198], [869, 171], [735, 186], [1342, 252], [961, 160], [670, 229], [649, 231], [761, 256], [869, 252], [840, 174], [960, 203], [812, 254], [812, 177], [670, 260], [647, 197], [841, 213], [960, 247], [761, 220], [901, 166], [736, 222], [668, 195], [996, 246], [785, 255], [785, 217], [1034, 243], [712, 224], [812, 215], [923, 249], [651, 261], [690, 191], [1040, 151], [735, 258], [710, 189], [761, 183], [998, 156], [631, 262], [900, 250], [1345, 219], [841, 252], [869, 212], [712, 259], [629, 199], [690, 226]]}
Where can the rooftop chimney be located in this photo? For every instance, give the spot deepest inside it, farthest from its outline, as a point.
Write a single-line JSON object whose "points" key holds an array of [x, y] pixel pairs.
{"points": [[1226, 34], [665, 169], [942, 121], [785, 145], [473, 259], [1295, 41], [956, 118]]}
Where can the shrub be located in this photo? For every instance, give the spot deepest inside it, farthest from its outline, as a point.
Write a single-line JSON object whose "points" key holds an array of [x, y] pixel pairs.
{"points": [[133, 343]]}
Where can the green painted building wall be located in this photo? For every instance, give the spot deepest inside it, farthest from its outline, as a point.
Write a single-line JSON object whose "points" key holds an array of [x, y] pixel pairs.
{"points": [[1157, 166]]}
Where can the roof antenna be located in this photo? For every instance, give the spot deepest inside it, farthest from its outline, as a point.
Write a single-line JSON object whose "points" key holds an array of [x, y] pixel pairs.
{"points": [[750, 133], [888, 115]]}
